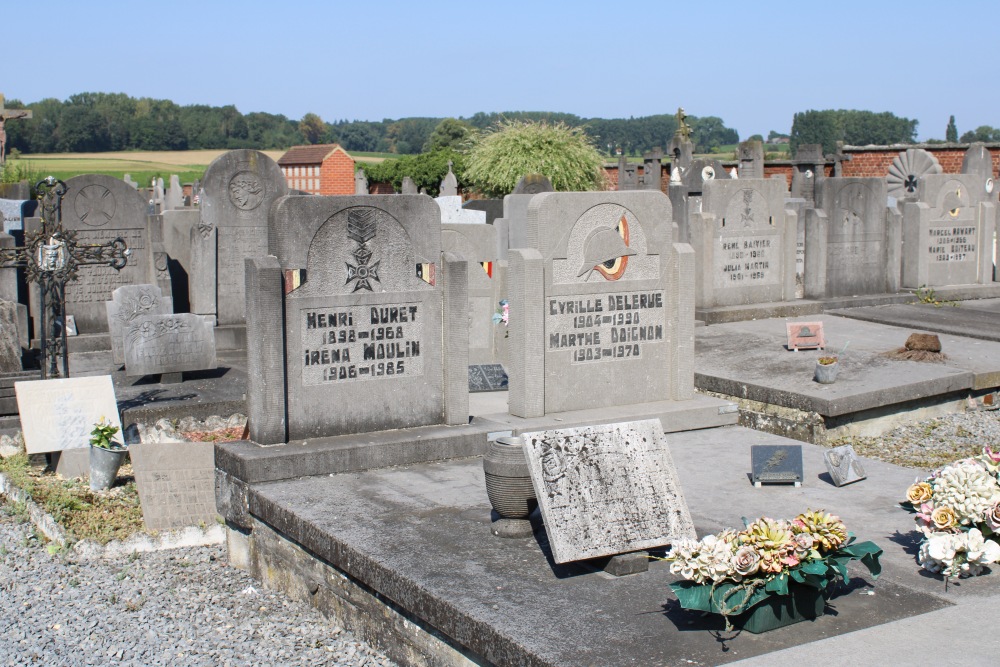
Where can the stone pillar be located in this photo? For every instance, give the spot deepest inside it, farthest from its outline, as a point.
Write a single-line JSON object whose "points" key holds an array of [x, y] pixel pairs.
{"points": [[526, 397], [456, 339], [815, 260], [203, 273], [680, 310], [266, 403]]}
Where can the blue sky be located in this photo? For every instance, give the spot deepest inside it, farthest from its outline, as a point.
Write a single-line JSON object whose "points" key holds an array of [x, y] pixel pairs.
{"points": [[754, 64]]}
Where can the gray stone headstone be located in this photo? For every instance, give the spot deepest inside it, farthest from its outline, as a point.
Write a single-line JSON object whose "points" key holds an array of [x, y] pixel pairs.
{"points": [[174, 196], [978, 161], [776, 464], [452, 212], [362, 311], [751, 156], [239, 188], [449, 184], [408, 187], [360, 182], [158, 344], [532, 184], [606, 490], [10, 341], [948, 232], [843, 465], [14, 211], [127, 304], [176, 483], [99, 209], [492, 207], [60, 414], [601, 296]]}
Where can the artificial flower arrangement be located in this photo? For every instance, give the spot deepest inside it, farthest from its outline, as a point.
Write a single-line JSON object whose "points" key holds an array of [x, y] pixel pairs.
{"points": [[957, 509], [785, 569]]}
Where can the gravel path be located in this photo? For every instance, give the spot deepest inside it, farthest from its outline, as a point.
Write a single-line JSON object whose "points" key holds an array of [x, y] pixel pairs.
{"points": [[178, 607], [932, 443]]}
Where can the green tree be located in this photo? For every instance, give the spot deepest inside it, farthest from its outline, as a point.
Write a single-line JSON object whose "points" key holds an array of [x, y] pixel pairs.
{"points": [[511, 149], [951, 133], [853, 127], [983, 133], [313, 129], [426, 169], [449, 133]]}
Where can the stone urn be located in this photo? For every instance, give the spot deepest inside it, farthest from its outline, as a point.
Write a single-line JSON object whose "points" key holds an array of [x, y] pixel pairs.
{"points": [[508, 485], [826, 370]]}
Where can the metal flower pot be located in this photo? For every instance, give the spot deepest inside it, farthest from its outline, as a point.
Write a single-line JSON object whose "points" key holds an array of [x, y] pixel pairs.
{"points": [[104, 465], [508, 485]]}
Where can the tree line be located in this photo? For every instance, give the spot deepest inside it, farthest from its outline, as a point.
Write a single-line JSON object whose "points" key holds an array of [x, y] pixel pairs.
{"points": [[99, 122], [854, 128]]}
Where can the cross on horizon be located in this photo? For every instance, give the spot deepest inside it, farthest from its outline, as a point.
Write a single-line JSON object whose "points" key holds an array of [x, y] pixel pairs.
{"points": [[5, 115]]}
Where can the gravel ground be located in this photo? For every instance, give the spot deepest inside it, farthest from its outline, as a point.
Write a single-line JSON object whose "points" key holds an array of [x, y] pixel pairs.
{"points": [[932, 443], [178, 607]]}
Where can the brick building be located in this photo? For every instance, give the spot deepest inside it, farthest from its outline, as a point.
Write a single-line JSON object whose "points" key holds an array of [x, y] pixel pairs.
{"points": [[323, 169]]}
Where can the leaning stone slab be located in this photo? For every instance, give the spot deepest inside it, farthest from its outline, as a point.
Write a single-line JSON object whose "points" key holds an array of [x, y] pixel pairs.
{"points": [[606, 490], [156, 344], [127, 303], [60, 414], [176, 483]]}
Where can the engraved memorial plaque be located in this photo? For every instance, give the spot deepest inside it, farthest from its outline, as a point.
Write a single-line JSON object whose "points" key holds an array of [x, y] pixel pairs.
{"points": [[776, 464], [176, 483], [805, 336], [606, 490], [157, 344], [487, 377], [843, 465], [60, 414]]}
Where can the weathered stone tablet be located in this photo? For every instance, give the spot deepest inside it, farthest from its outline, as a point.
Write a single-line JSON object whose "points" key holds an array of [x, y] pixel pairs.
{"points": [[606, 490], [60, 414], [176, 483], [127, 303], [843, 465], [157, 344]]}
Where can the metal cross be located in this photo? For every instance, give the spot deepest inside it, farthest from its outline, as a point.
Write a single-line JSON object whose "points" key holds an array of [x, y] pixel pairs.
{"points": [[51, 257]]}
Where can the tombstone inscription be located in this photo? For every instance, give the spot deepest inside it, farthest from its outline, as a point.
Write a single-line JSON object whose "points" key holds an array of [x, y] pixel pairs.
{"points": [[128, 303], [606, 490], [776, 464], [155, 344]]}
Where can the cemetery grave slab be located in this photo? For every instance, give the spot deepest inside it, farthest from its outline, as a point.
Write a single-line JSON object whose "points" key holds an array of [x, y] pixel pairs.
{"points": [[969, 318], [414, 537]]}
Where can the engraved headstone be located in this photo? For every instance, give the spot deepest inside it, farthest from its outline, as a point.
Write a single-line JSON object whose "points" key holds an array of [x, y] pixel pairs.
{"points": [[487, 377], [948, 233], [751, 155], [606, 490], [60, 414], [776, 464], [14, 211], [978, 160], [99, 209], [176, 483], [532, 184], [843, 465], [239, 188], [158, 344], [128, 303], [352, 301], [596, 304], [805, 336], [174, 196], [408, 187]]}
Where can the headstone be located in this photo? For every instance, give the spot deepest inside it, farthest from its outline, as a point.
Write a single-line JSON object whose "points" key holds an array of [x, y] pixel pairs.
{"points": [[978, 161], [347, 312], [843, 465], [14, 211], [805, 336], [628, 175], [127, 304], [776, 464], [452, 212], [176, 483], [808, 172], [600, 297], [449, 184], [532, 184], [239, 188], [159, 195], [948, 232], [99, 209], [700, 171], [848, 241], [906, 171], [360, 182], [158, 344], [606, 490], [60, 414], [476, 244], [745, 243], [174, 197], [492, 207], [652, 169], [10, 341], [408, 187], [751, 156], [487, 377]]}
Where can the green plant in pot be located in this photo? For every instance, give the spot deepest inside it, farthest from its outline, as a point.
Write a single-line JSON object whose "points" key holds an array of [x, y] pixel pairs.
{"points": [[827, 367], [106, 455]]}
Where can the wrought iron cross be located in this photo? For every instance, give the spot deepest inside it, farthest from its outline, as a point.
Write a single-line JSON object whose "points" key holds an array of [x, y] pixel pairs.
{"points": [[51, 257]]}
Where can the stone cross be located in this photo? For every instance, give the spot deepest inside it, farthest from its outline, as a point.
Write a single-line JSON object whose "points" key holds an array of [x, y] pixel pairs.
{"points": [[5, 115], [51, 257]]}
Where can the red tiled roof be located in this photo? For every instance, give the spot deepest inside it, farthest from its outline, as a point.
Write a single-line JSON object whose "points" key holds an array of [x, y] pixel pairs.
{"points": [[308, 154]]}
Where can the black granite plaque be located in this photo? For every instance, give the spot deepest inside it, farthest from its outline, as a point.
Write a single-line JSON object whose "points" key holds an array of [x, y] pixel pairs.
{"points": [[776, 464], [843, 465], [487, 377]]}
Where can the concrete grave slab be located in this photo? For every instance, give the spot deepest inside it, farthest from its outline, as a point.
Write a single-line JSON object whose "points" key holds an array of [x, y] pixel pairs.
{"points": [[972, 319], [176, 483], [60, 414], [606, 490]]}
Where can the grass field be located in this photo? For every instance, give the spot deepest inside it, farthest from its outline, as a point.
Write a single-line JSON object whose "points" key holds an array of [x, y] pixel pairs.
{"points": [[142, 166]]}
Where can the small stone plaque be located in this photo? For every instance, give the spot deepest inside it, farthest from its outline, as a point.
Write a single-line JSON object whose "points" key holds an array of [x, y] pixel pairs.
{"points": [[487, 377], [60, 414], [805, 336], [176, 483], [843, 465], [776, 464], [156, 344], [607, 490]]}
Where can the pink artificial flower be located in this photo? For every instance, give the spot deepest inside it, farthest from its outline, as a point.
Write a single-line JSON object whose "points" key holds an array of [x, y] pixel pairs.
{"points": [[993, 456]]}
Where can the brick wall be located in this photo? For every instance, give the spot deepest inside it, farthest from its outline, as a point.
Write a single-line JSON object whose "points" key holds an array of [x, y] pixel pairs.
{"points": [[337, 174], [874, 161]]}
